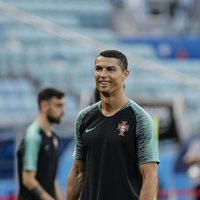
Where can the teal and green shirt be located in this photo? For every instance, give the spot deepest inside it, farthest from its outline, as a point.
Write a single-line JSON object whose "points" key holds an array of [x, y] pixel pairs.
{"points": [[39, 153], [113, 148]]}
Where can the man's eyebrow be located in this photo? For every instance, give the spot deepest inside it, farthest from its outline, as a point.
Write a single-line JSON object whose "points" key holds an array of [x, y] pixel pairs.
{"points": [[112, 66], [105, 66]]}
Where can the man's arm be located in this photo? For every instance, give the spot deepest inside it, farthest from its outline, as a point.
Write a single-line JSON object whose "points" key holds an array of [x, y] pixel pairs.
{"points": [[75, 180], [150, 181], [33, 185], [58, 191]]}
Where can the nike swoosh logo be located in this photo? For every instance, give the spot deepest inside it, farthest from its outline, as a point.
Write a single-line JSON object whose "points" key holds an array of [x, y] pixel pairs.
{"points": [[90, 129]]}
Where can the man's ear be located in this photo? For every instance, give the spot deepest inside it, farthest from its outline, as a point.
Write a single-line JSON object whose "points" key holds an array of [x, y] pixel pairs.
{"points": [[44, 106], [125, 74]]}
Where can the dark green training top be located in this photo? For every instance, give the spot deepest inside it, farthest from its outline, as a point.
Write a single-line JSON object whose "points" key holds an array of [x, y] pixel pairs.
{"points": [[113, 148], [39, 153]]}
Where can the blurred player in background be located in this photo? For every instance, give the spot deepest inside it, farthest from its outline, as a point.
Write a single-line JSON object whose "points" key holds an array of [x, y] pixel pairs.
{"points": [[38, 151], [116, 151]]}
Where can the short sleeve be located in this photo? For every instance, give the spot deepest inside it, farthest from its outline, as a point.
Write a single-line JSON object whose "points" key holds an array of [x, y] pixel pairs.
{"points": [[78, 153], [147, 143], [32, 143]]}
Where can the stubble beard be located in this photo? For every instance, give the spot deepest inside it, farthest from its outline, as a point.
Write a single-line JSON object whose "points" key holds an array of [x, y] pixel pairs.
{"points": [[53, 120]]}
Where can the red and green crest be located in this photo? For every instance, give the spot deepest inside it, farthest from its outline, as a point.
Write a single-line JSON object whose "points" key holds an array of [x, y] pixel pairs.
{"points": [[122, 127]]}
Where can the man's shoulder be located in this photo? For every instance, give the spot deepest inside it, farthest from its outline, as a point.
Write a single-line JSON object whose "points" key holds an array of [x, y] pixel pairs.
{"points": [[139, 111], [33, 132], [135, 106], [88, 109]]}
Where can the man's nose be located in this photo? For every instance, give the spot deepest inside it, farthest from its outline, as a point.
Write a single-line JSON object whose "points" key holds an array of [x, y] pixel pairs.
{"points": [[103, 72], [63, 109]]}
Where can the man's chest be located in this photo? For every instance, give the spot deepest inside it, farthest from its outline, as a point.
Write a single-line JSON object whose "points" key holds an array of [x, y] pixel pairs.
{"points": [[115, 130]]}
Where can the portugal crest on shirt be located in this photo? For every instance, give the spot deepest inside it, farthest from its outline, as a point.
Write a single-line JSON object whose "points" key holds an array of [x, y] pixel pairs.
{"points": [[55, 142], [122, 127]]}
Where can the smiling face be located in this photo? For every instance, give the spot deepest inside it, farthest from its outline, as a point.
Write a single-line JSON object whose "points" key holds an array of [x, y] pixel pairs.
{"points": [[109, 75]]}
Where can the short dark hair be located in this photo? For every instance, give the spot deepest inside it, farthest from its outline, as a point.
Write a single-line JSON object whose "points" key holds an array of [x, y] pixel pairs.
{"points": [[48, 93], [116, 54]]}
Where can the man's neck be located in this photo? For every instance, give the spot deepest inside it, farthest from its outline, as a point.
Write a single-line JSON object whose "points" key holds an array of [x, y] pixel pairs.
{"points": [[44, 124], [112, 104]]}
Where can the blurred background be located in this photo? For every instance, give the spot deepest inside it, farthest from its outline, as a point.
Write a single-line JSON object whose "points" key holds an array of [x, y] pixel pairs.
{"points": [[54, 43]]}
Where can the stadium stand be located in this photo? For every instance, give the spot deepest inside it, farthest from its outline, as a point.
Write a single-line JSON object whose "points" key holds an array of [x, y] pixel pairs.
{"points": [[32, 57]]}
